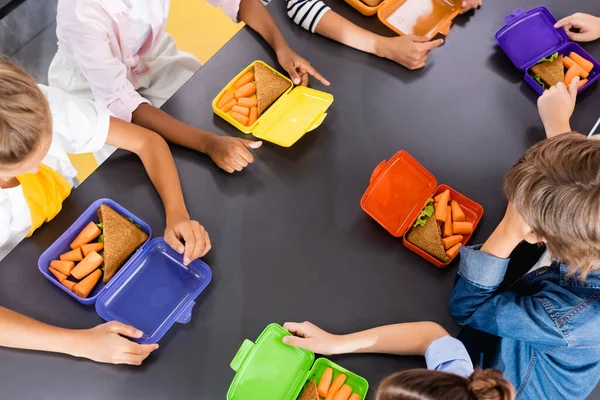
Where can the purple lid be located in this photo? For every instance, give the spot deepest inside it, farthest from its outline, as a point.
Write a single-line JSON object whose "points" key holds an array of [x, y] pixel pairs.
{"points": [[527, 37]]}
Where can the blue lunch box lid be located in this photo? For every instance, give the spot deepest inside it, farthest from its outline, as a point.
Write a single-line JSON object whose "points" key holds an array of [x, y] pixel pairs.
{"points": [[527, 37]]}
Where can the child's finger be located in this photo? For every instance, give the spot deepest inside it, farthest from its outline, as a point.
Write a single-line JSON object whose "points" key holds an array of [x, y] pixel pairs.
{"points": [[434, 44], [296, 341], [298, 329], [124, 330], [207, 245], [564, 23], [574, 88], [251, 143], [190, 244], [419, 39], [291, 70], [313, 72], [172, 240]]}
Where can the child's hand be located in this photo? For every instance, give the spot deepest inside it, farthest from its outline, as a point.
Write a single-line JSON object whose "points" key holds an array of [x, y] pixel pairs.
{"points": [[511, 231], [197, 242], [232, 154], [298, 68], [312, 338], [556, 106], [588, 25], [106, 343], [410, 51], [468, 5]]}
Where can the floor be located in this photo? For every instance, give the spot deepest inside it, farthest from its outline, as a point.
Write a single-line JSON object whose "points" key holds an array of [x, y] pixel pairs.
{"points": [[28, 35]]}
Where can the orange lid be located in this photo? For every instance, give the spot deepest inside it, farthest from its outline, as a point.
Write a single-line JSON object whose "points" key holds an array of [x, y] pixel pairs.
{"points": [[397, 192], [419, 17]]}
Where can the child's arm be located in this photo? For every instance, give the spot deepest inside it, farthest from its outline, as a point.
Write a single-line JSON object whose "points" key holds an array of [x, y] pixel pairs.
{"points": [[413, 338], [104, 343], [230, 154], [158, 161], [556, 107], [409, 51], [468, 5], [587, 27], [255, 15]]}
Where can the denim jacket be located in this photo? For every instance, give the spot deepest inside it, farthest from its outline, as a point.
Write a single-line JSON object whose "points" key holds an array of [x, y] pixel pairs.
{"points": [[547, 326]]}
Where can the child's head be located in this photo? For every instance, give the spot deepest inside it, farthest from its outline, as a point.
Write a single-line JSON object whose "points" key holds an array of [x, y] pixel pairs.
{"points": [[555, 187], [423, 384], [25, 122]]}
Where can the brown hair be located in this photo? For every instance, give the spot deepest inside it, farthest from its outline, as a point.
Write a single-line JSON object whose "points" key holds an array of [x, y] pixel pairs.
{"points": [[24, 113], [555, 187], [423, 384]]}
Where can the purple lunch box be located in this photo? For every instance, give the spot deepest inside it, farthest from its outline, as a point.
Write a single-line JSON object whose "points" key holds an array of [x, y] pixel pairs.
{"points": [[529, 36]]}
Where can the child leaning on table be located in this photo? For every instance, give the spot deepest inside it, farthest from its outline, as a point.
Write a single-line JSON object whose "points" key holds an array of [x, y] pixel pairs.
{"points": [[118, 53], [409, 51], [449, 375], [38, 127]]}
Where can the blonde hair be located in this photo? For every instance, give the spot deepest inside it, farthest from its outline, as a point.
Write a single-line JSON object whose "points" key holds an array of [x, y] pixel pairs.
{"points": [[555, 187], [24, 113]]}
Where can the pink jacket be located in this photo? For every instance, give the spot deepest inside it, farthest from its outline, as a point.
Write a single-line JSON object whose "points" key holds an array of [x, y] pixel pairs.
{"points": [[98, 36]]}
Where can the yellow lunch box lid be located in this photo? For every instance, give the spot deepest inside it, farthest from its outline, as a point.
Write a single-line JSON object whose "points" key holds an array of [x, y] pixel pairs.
{"points": [[297, 111]]}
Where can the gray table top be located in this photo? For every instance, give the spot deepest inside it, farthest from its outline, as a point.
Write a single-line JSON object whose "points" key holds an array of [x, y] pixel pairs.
{"points": [[290, 241]]}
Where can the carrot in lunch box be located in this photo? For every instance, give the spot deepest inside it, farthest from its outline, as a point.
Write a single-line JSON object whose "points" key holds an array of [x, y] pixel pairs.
{"points": [[226, 98], [242, 119], [229, 105], [453, 250], [335, 386], [69, 284], [437, 198], [325, 382], [73, 255], [462, 228], [89, 233], [92, 261], [451, 241], [447, 232], [64, 267], [568, 62], [344, 393], [244, 79], [253, 116], [582, 83], [59, 275], [248, 102], [355, 397], [88, 248], [587, 65], [245, 111], [246, 91], [83, 288], [441, 213], [457, 213]]}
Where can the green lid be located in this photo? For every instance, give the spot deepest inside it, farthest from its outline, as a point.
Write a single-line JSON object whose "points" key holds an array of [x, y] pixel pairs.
{"points": [[269, 369]]}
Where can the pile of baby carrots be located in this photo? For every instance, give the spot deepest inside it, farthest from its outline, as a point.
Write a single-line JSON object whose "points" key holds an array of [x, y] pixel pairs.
{"points": [[577, 66], [87, 272], [454, 224], [330, 389], [240, 102]]}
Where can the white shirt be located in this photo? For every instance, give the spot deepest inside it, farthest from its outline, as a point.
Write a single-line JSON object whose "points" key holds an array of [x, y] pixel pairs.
{"points": [[544, 261], [78, 126]]}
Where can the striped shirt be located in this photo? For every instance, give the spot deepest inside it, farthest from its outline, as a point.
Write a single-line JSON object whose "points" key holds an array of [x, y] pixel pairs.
{"points": [[306, 13]]}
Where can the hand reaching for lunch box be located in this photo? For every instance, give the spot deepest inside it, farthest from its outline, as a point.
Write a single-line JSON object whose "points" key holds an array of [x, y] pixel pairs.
{"points": [[588, 26], [410, 51], [231, 154], [310, 337], [468, 5], [556, 106], [298, 68], [184, 230]]}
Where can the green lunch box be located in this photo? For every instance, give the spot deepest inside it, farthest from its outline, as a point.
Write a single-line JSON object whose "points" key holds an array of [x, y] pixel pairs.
{"points": [[272, 370]]}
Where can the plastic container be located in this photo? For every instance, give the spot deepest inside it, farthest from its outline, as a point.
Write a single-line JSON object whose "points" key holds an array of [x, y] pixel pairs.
{"points": [[271, 370], [297, 111], [413, 17], [529, 36], [397, 193], [151, 291]]}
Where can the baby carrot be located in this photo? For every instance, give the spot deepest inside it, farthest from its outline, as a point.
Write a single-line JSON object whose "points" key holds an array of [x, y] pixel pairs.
{"points": [[64, 267], [73, 255], [453, 250], [437, 198], [242, 119], [227, 96], [229, 105], [335, 386], [247, 102], [451, 241], [587, 65], [462, 228], [253, 116], [325, 382], [245, 91], [244, 79], [568, 62], [441, 213], [69, 284], [87, 265], [88, 248], [83, 288], [344, 393], [355, 397], [582, 83], [241, 110], [448, 223], [457, 213], [59, 275], [89, 233]]}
